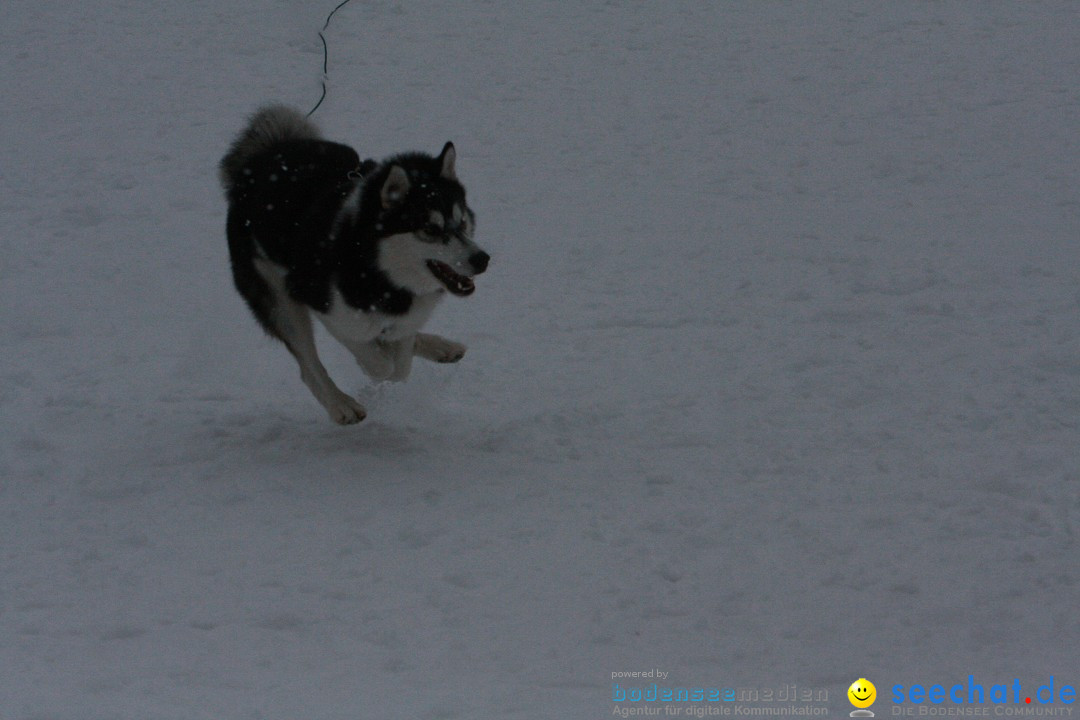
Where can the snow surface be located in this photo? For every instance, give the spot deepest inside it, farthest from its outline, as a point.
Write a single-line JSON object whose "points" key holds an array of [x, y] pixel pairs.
{"points": [[774, 378]]}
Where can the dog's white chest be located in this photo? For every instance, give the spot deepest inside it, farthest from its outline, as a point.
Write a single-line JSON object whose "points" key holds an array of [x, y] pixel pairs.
{"points": [[349, 324]]}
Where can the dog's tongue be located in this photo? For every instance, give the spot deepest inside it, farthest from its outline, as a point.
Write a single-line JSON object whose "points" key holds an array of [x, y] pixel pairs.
{"points": [[455, 283]]}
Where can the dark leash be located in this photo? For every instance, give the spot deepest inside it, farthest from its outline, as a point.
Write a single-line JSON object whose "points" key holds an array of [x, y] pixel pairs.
{"points": [[326, 56]]}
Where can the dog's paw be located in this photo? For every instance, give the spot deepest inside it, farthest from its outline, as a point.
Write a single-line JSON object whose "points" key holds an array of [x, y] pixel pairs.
{"points": [[451, 353], [345, 410], [439, 349]]}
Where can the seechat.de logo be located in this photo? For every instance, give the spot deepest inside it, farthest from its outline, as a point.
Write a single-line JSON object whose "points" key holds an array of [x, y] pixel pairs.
{"points": [[862, 695]]}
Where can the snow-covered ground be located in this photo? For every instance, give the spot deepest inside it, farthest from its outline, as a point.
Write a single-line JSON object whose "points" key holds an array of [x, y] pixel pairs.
{"points": [[774, 378]]}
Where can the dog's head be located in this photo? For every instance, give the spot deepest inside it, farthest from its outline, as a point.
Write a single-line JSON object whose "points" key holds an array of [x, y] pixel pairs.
{"points": [[424, 226]]}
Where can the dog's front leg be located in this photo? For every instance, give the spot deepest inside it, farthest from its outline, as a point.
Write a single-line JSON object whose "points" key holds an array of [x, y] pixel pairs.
{"points": [[438, 349], [373, 358], [401, 354]]}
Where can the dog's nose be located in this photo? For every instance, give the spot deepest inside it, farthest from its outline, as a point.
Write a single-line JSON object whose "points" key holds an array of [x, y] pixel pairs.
{"points": [[479, 261]]}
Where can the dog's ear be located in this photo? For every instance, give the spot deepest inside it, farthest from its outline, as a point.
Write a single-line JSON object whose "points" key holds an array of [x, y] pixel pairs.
{"points": [[446, 161], [395, 188]]}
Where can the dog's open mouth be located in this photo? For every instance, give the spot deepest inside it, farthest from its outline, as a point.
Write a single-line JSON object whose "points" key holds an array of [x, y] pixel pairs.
{"points": [[457, 284]]}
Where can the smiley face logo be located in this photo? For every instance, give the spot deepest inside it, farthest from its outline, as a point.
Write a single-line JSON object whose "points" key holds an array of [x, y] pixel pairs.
{"points": [[862, 693]]}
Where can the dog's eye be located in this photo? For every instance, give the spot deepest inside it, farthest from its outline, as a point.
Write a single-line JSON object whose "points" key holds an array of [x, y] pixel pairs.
{"points": [[433, 229]]}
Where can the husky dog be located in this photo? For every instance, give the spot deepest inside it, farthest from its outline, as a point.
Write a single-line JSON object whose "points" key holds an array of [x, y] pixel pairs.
{"points": [[367, 248]]}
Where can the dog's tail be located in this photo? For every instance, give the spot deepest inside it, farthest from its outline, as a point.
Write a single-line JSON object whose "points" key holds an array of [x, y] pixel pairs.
{"points": [[271, 124]]}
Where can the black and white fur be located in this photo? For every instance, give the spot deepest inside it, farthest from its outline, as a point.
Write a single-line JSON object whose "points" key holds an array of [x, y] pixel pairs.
{"points": [[367, 248]]}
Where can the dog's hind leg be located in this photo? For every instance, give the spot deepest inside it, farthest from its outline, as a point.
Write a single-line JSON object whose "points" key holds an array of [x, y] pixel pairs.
{"points": [[300, 339], [290, 322], [438, 349]]}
